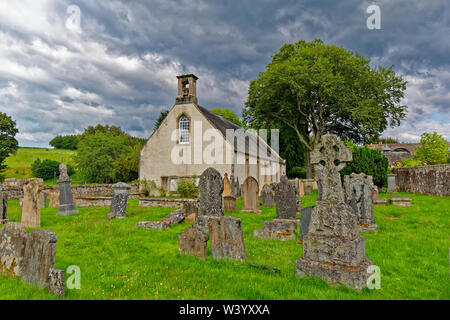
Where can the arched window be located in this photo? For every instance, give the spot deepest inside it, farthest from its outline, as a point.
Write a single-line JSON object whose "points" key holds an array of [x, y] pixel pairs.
{"points": [[183, 126]]}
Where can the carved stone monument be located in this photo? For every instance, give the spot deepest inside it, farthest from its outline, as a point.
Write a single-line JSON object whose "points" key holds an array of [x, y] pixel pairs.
{"points": [[227, 239], [359, 195], [250, 190], [66, 206], [267, 196], [119, 201], [193, 241], [227, 190], [210, 203], [333, 250]]}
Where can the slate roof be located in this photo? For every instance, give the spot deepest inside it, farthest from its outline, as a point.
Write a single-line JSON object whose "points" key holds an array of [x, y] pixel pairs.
{"points": [[222, 125]]}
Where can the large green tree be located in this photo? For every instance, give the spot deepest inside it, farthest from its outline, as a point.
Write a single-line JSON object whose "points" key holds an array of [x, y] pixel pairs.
{"points": [[8, 142], [228, 115], [314, 89], [433, 149]]}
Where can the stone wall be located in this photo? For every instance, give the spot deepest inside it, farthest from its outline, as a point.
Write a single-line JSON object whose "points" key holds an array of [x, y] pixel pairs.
{"points": [[432, 180], [164, 203]]}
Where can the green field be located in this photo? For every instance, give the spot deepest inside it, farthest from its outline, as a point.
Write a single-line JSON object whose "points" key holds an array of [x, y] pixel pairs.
{"points": [[120, 261]]}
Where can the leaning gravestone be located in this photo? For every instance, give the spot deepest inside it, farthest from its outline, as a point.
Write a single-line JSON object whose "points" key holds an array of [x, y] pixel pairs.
{"points": [[119, 201], [3, 205], [250, 190], [12, 248], [359, 195], [210, 206], [284, 225], [193, 241], [267, 196], [171, 219], [31, 209], [333, 250], [227, 239], [39, 257], [66, 206]]}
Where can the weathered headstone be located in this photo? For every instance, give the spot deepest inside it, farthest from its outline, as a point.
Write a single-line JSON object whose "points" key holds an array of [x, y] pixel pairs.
{"points": [[359, 195], [66, 206], [267, 196], [39, 257], [250, 190], [3, 205], [285, 199], [31, 209], [305, 220], [57, 282], [119, 201], [301, 189], [43, 200], [53, 197], [333, 250], [227, 190], [191, 210], [392, 187], [227, 238], [193, 241], [229, 204], [278, 229], [13, 238], [174, 217], [210, 202]]}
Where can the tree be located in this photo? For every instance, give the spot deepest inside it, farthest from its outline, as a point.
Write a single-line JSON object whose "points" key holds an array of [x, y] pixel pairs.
{"points": [[317, 89], [433, 149], [69, 142], [162, 115], [228, 115], [8, 142], [127, 168]]}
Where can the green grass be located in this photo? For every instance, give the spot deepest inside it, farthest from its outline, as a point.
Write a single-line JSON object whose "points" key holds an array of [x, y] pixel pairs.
{"points": [[119, 261]]}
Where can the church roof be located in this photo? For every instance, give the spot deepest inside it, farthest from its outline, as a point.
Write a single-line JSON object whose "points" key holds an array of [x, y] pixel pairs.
{"points": [[223, 124]]}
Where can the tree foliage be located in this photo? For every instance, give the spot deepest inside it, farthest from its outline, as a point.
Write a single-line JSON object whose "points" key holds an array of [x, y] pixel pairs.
{"points": [[8, 142], [228, 115], [69, 142], [162, 115], [433, 149], [316, 89]]}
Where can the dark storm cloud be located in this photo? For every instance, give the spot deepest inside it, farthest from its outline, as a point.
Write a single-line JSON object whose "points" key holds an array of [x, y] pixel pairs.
{"points": [[121, 69]]}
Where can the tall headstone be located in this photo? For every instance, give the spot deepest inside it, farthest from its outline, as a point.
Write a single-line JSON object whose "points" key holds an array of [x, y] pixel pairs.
{"points": [[250, 190], [227, 239], [234, 187], [210, 206], [305, 220], [392, 187], [301, 188], [227, 190], [333, 250], [285, 199], [31, 209], [66, 206], [359, 195], [13, 238], [119, 201], [193, 241], [39, 257], [3, 205], [267, 196]]}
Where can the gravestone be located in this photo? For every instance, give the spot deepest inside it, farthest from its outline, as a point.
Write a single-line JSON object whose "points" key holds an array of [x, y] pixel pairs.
{"points": [[250, 190], [267, 196], [66, 206], [400, 201], [31, 208], [227, 239], [53, 196], [191, 210], [13, 238], [392, 187], [285, 199], [359, 195], [119, 201], [56, 282], [333, 250], [43, 200], [229, 204], [3, 205], [284, 225], [193, 241], [305, 220], [308, 190], [210, 206], [227, 190], [172, 218], [301, 188], [39, 257]]}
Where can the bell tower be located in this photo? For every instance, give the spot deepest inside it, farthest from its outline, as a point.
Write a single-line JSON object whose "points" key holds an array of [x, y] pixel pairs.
{"points": [[187, 88]]}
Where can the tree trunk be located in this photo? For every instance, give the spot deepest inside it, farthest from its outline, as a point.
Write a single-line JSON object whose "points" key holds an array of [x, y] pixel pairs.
{"points": [[308, 164]]}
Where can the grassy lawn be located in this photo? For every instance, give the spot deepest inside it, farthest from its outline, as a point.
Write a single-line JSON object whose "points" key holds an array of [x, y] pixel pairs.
{"points": [[119, 261]]}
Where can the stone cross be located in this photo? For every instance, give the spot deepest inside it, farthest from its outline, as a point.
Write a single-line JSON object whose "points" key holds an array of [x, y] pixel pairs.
{"points": [[329, 157]]}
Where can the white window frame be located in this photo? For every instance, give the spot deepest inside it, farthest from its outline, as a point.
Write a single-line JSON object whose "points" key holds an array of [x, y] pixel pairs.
{"points": [[183, 130]]}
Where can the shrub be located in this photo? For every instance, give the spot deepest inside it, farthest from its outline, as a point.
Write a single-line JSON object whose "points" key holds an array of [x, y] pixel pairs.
{"points": [[47, 169], [298, 172], [408, 162], [369, 161], [146, 186], [187, 189]]}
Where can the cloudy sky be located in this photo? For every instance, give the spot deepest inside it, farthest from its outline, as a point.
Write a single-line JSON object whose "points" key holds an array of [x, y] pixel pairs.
{"points": [[120, 65]]}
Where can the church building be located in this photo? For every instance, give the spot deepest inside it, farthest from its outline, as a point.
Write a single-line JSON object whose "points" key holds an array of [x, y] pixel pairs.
{"points": [[192, 139]]}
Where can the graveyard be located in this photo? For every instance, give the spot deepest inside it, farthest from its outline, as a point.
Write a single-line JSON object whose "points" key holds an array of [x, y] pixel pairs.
{"points": [[120, 261]]}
